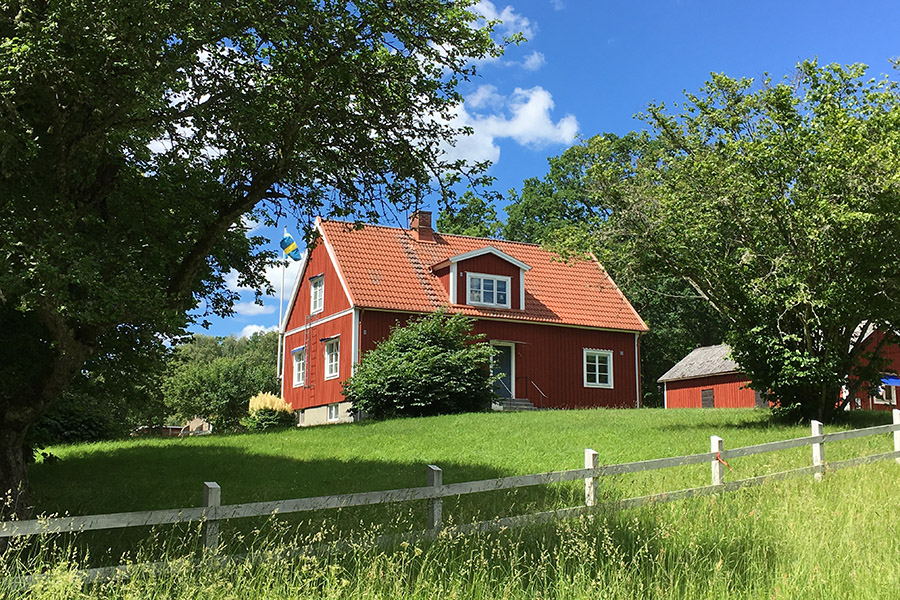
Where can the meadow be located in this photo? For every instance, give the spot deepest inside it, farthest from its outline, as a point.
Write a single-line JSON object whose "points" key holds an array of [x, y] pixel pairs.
{"points": [[789, 539]]}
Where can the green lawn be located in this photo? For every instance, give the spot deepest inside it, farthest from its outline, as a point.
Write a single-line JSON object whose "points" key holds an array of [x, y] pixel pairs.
{"points": [[791, 539]]}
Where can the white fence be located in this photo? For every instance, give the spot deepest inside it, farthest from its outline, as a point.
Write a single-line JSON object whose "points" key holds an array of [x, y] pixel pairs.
{"points": [[213, 511]]}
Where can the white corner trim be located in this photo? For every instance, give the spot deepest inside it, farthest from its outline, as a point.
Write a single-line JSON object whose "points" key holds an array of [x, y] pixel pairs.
{"points": [[637, 373], [454, 284], [665, 396], [354, 342]]}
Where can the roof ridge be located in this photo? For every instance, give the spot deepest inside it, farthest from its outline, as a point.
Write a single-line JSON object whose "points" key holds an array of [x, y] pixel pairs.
{"points": [[455, 235]]}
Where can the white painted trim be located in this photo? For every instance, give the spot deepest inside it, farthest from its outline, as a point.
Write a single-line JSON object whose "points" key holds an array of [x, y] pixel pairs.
{"points": [[312, 288], [454, 284], [318, 322], [501, 320], [332, 340], [337, 412], [637, 373], [482, 252], [286, 318], [495, 278], [521, 289], [302, 381], [512, 364], [334, 260], [354, 342], [598, 351], [665, 396]]}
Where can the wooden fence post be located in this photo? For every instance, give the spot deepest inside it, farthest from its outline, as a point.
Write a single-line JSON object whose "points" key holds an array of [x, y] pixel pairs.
{"points": [[716, 444], [435, 510], [212, 497], [591, 483], [818, 451], [896, 433]]}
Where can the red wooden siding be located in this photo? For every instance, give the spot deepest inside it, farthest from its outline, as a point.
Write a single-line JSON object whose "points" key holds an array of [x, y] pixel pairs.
{"points": [[891, 352], [729, 391], [547, 357], [335, 298], [487, 264]]}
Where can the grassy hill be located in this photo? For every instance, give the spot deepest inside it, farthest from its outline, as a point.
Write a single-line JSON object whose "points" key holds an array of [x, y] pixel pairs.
{"points": [[791, 539]]}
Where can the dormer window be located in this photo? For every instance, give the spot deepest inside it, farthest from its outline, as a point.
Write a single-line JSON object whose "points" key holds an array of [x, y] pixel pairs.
{"points": [[488, 290], [317, 294]]}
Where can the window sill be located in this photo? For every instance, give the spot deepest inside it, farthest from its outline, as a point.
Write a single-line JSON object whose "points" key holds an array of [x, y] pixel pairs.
{"points": [[599, 386], [483, 305], [327, 377]]}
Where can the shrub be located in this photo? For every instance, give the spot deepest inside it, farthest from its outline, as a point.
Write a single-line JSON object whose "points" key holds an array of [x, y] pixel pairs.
{"points": [[433, 365], [268, 411], [266, 400]]}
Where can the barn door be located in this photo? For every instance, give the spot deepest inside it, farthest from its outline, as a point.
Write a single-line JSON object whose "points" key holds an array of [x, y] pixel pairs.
{"points": [[707, 399]]}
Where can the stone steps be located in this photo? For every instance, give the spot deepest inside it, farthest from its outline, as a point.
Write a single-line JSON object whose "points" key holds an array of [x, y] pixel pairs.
{"points": [[513, 405]]}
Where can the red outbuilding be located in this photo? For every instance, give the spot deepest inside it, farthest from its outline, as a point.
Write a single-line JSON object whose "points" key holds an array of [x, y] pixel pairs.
{"points": [[885, 396], [567, 336], [708, 378]]}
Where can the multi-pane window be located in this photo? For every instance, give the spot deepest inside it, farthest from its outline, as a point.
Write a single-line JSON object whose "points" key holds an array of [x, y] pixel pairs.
{"points": [[488, 290], [317, 294], [888, 395], [299, 356], [598, 368], [332, 358], [333, 412]]}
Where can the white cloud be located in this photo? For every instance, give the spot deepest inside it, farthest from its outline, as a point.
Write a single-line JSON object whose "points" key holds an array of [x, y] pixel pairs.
{"points": [[523, 117], [273, 275], [249, 330], [251, 309], [557, 4], [485, 96], [511, 22], [534, 61]]}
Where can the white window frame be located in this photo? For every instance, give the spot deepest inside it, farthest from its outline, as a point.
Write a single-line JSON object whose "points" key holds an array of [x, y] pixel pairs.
{"points": [[336, 409], [608, 354], [495, 279], [887, 397], [336, 353], [316, 294], [298, 358]]}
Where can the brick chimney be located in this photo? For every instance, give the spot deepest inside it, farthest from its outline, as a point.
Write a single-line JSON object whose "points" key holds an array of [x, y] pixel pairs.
{"points": [[420, 225]]}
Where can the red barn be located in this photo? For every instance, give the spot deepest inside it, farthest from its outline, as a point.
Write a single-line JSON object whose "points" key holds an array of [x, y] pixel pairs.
{"points": [[887, 395], [708, 378], [568, 338]]}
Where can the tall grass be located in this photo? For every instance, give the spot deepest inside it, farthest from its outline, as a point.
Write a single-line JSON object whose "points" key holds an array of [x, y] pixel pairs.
{"points": [[791, 539]]}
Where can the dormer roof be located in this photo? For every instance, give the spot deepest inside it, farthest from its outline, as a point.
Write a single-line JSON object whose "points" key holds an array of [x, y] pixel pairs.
{"points": [[481, 252]]}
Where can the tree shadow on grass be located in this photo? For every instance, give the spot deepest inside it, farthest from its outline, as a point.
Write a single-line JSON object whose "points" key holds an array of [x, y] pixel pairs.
{"points": [[154, 477]]}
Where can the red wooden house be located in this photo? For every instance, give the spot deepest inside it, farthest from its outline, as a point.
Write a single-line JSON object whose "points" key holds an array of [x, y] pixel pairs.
{"points": [[886, 396], [708, 378], [567, 336]]}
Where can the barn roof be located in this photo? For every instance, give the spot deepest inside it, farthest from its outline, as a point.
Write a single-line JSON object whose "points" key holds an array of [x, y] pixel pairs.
{"points": [[388, 268], [702, 362]]}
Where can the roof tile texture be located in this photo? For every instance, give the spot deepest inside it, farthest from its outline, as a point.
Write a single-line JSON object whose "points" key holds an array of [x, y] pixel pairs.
{"points": [[387, 268]]}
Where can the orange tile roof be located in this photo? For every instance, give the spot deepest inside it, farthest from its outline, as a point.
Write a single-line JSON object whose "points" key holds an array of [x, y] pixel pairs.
{"points": [[387, 268]]}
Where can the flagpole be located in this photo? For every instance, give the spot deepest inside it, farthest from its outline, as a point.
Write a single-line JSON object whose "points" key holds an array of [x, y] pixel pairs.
{"points": [[279, 367]]}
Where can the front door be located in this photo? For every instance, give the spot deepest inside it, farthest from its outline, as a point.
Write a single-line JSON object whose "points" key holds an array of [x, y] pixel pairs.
{"points": [[504, 362]]}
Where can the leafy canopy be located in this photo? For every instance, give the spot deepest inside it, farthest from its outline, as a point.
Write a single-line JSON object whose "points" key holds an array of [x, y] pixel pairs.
{"points": [[431, 366], [780, 204]]}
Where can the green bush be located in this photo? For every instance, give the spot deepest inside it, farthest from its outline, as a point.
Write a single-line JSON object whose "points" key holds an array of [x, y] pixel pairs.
{"points": [[433, 365], [268, 418]]}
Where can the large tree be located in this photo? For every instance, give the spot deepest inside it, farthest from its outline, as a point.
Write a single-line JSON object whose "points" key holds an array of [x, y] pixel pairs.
{"points": [[134, 136], [780, 204], [552, 210]]}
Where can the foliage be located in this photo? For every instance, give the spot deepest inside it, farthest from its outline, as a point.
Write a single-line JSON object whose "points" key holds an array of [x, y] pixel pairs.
{"points": [[433, 365], [778, 203], [474, 216], [136, 136], [269, 401], [551, 211], [267, 418], [217, 385]]}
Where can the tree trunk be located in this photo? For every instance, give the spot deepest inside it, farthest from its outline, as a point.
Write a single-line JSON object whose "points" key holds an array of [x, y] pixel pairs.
{"points": [[14, 473]]}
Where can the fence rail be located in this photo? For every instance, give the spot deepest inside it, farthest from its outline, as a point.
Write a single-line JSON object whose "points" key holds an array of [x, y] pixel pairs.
{"points": [[213, 511]]}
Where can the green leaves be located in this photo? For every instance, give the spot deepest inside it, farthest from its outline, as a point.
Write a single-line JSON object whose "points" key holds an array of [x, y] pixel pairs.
{"points": [[433, 365]]}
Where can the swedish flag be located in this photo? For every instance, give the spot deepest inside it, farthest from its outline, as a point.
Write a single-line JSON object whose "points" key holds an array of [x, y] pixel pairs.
{"points": [[290, 247]]}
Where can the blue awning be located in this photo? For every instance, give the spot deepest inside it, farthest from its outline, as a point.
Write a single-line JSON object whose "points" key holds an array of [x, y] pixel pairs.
{"points": [[891, 380]]}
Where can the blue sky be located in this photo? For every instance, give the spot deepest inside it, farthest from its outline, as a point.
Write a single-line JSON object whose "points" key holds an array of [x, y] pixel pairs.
{"points": [[589, 66]]}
